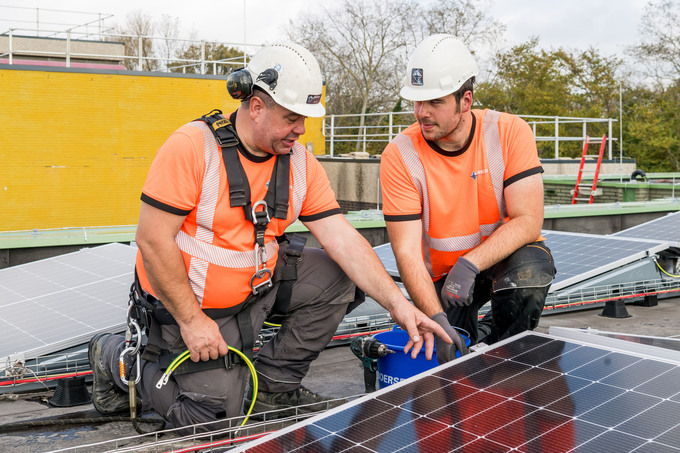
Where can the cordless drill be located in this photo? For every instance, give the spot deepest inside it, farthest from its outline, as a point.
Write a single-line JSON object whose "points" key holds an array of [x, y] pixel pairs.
{"points": [[369, 350]]}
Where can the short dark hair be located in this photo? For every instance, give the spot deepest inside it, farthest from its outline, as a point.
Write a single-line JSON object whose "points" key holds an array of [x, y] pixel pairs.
{"points": [[263, 95], [467, 86]]}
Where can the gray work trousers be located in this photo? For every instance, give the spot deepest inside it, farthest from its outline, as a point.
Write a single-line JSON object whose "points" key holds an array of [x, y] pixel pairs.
{"points": [[321, 296], [517, 288]]}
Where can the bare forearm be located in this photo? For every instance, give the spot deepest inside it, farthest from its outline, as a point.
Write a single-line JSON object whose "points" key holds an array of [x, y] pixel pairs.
{"points": [[504, 241], [419, 284]]}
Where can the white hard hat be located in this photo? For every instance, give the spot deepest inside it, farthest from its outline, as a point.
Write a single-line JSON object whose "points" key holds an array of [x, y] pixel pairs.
{"points": [[439, 66], [297, 84]]}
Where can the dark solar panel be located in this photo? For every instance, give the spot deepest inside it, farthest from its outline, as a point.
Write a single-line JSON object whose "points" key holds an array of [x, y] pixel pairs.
{"points": [[532, 393], [665, 228]]}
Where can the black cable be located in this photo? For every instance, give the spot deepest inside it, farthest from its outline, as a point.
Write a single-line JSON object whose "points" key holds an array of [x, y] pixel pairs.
{"points": [[53, 421]]}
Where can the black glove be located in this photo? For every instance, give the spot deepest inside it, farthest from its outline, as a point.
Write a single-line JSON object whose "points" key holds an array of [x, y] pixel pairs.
{"points": [[460, 283], [445, 351]]}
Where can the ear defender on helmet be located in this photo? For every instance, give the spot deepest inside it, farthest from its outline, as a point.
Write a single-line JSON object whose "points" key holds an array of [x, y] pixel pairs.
{"points": [[270, 77], [240, 83]]}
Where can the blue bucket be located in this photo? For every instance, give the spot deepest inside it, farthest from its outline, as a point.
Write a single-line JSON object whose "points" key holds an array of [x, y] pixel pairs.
{"points": [[396, 367]]}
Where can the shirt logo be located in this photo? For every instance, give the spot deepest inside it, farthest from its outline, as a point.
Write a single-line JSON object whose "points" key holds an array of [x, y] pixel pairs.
{"points": [[417, 77], [478, 172]]}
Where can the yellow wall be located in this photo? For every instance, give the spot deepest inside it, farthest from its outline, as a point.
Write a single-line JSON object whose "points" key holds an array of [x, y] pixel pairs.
{"points": [[75, 146]]}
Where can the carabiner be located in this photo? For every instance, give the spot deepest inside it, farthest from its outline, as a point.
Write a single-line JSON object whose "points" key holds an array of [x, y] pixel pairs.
{"points": [[133, 325], [121, 365], [260, 257]]}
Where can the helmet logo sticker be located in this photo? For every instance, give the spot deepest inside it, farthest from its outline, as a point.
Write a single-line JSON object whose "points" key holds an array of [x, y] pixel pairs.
{"points": [[313, 98], [417, 77]]}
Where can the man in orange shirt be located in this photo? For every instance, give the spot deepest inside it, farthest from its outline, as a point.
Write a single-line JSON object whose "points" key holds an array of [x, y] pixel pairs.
{"points": [[212, 265], [463, 203]]}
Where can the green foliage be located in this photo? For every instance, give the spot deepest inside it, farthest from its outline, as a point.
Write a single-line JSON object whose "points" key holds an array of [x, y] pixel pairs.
{"points": [[529, 80], [653, 128]]}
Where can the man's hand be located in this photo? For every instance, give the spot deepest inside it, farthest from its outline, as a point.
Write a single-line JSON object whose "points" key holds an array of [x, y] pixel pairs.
{"points": [[203, 339], [446, 351], [420, 329], [460, 283]]}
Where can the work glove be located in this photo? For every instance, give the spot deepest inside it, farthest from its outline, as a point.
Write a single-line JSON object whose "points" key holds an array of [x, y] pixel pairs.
{"points": [[460, 283], [445, 351]]}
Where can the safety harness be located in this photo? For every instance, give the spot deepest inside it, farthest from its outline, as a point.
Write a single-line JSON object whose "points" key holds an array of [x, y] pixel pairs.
{"points": [[147, 314]]}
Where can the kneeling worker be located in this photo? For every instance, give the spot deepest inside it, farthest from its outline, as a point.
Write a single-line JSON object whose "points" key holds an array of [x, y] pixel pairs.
{"points": [[463, 202], [218, 194]]}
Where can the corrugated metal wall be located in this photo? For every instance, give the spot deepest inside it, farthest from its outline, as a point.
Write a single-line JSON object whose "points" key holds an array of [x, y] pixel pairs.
{"points": [[75, 145]]}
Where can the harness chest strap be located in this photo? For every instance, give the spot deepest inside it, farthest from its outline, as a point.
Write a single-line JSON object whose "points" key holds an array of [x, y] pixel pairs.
{"points": [[275, 203]]}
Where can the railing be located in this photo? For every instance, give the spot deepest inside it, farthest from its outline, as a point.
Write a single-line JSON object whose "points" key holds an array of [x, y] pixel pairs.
{"points": [[67, 45], [346, 133], [378, 128], [42, 18], [536, 122]]}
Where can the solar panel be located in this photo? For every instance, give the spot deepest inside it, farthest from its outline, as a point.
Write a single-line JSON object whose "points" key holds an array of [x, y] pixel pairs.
{"points": [[666, 228], [60, 302], [387, 258], [532, 392], [581, 256], [577, 256]]}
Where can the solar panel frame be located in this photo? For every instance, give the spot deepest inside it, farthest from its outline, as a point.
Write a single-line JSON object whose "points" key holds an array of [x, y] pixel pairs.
{"points": [[580, 400], [60, 302]]}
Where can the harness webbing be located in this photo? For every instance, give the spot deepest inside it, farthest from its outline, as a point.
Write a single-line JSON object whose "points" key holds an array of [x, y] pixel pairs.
{"points": [[277, 196]]}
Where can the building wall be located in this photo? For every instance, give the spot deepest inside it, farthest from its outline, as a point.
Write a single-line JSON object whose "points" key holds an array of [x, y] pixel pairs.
{"points": [[559, 192], [56, 48], [355, 182], [76, 145]]}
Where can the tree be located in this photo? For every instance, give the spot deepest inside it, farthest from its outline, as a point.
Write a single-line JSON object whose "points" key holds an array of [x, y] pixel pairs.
{"points": [[169, 29], [653, 127], [139, 26], [466, 19], [659, 51], [528, 80], [221, 59], [357, 52], [364, 49]]}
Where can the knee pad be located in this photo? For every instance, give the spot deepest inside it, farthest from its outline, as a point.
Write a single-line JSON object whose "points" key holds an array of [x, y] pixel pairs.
{"points": [[531, 266]]}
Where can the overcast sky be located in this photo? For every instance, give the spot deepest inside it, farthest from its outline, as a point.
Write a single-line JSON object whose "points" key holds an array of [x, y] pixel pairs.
{"points": [[608, 25]]}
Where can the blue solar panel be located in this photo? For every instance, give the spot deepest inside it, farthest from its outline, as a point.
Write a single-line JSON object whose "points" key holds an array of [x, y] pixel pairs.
{"points": [[665, 228], [531, 393], [577, 256], [60, 302]]}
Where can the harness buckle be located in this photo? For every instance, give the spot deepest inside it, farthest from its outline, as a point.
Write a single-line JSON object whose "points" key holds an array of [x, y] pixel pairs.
{"points": [[257, 219], [265, 285]]}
